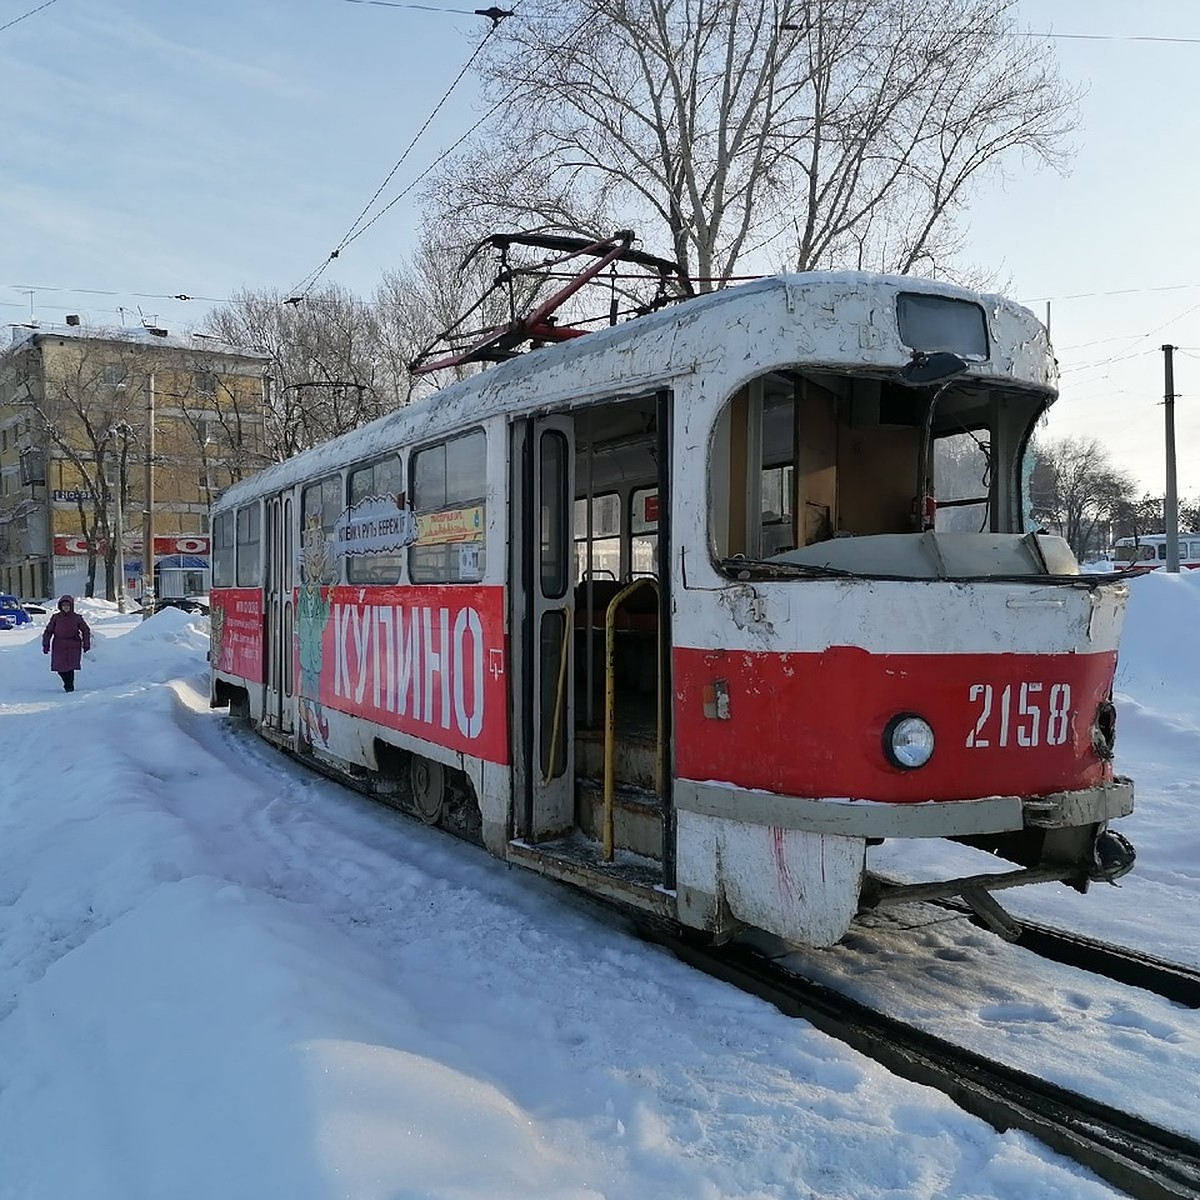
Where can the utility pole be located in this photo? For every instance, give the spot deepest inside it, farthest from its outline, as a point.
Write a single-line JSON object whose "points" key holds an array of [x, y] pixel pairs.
{"points": [[148, 512], [1171, 500], [123, 431]]}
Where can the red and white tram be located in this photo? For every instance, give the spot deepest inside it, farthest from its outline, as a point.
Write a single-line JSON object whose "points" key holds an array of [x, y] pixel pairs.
{"points": [[1149, 552], [691, 610]]}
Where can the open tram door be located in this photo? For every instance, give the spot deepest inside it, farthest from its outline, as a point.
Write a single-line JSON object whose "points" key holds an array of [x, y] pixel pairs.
{"points": [[278, 618], [591, 649], [542, 622]]}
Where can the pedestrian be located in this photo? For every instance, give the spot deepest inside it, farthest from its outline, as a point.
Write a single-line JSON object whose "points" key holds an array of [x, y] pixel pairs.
{"points": [[72, 639]]}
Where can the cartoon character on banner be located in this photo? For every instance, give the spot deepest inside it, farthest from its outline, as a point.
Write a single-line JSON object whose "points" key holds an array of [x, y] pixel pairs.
{"points": [[311, 619]]}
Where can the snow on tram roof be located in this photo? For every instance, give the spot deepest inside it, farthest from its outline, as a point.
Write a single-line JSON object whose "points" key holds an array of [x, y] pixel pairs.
{"points": [[649, 351]]}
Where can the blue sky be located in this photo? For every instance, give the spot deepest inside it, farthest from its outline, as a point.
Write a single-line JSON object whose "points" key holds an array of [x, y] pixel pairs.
{"points": [[151, 149]]}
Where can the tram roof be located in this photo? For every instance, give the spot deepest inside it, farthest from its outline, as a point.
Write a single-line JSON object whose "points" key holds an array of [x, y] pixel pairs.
{"points": [[607, 363]]}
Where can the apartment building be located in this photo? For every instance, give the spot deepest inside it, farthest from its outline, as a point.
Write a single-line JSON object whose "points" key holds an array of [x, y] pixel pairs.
{"points": [[107, 433]]}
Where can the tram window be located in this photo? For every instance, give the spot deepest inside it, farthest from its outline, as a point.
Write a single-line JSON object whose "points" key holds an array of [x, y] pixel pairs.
{"points": [[961, 482], [382, 478], [222, 544], [448, 493], [320, 506], [554, 547], [643, 526], [605, 537], [932, 323], [798, 460], [249, 546]]}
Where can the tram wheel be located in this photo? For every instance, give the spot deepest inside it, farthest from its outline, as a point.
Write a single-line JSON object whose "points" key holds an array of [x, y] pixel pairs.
{"points": [[428, 789]]}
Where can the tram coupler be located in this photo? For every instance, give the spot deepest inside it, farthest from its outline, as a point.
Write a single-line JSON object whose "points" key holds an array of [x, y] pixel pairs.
{"points": [[990, 913]]}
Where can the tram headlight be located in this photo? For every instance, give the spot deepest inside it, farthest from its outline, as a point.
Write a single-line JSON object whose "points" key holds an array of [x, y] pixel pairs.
{"points": [[908, 741]]}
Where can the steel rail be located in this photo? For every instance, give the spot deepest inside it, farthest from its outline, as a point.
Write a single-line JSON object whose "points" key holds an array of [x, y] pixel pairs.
{"points": [[1145, 1161], [1171, 980]]}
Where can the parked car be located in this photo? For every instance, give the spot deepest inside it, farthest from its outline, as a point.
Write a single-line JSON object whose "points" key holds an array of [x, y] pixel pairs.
{"points": [[189, 604], [33, 608], [11, 613]]}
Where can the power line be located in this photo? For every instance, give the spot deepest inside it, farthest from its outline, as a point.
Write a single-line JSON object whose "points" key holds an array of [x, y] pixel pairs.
{"points": [[427, 7], [1132, 291], [1110, 37], [22, 17], [310, 279], [33, 287]]}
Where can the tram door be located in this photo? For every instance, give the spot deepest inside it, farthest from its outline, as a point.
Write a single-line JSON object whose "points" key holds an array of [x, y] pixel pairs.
{"points": [[543, 620], [279, 563]]}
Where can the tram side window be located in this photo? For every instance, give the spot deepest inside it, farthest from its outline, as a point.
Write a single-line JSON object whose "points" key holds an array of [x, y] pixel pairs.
{"points": [[604, 537], [249, 546], [383, 479], [320, 506], [448, 492], [961, 482], [223, 555], [643, 527]]}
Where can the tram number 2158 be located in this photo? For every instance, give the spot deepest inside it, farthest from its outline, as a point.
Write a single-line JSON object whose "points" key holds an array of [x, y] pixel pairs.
{"points": [[1022, 714]]}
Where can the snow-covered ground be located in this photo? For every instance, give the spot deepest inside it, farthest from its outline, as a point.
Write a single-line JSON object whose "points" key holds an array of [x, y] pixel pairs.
{"points": [[221, 976]]}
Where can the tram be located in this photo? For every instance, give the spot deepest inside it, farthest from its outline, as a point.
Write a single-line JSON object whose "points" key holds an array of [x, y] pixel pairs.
{"points": [[690, 611], [1149, 552]]}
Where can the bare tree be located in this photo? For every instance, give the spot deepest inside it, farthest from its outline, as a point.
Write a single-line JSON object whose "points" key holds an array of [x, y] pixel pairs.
{"points": [[811, 132], [452, 292], [328, 365], [1077, 490], [417, 302], [89, 406]]}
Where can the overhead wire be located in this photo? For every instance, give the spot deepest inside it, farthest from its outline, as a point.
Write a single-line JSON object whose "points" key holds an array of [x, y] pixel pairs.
{"points": [[32, 287], [15, 20], [309, 280], [355, 231], [1111, 37], [426, 7]]}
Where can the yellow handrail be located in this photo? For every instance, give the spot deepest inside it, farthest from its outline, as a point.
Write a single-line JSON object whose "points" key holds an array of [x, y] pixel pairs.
{"points": [[610, 716]]}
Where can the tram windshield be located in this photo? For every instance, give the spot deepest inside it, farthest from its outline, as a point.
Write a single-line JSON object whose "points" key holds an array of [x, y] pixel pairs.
{"points": [[1138, 552], [801, 460]]}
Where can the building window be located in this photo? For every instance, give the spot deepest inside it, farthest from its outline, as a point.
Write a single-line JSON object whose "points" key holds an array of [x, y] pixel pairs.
{"points": [[205, 383], [114, 374]]}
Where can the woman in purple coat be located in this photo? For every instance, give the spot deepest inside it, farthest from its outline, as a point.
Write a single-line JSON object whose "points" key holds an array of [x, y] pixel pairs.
{"points": [[72, 639]]}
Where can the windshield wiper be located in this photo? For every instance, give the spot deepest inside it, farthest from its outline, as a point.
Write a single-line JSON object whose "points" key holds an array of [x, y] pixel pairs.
{"points": [[743, 568]]}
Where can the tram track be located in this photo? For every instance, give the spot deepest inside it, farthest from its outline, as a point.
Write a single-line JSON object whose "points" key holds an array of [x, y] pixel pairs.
{"points": [[1144, 1160], [1172, 981]]}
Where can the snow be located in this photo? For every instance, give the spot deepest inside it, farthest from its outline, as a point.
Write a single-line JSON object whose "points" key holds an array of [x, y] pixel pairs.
{"points": [[221, 975]]}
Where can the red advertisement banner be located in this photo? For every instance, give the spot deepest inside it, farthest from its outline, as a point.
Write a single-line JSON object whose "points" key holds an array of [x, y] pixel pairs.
{"points": [[429, 660], [66, 546], [236, 623]]}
